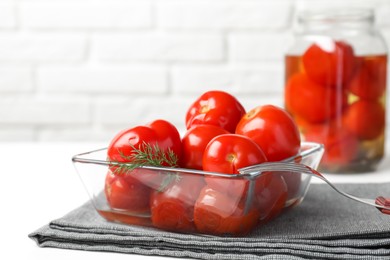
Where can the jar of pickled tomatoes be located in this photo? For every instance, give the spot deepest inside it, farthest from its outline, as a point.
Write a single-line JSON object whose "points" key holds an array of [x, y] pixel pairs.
{"points": [[335, 87]]}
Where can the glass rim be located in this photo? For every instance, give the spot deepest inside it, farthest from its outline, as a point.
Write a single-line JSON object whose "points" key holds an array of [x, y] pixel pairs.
{"points": [[311, 148]]}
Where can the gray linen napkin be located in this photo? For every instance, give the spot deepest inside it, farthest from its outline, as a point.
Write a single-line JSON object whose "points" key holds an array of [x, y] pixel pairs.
{"points": [[325, 226]]}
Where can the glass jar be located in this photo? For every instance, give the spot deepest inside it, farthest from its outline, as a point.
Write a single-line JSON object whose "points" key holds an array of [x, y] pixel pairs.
{"points": [[336, 87]]}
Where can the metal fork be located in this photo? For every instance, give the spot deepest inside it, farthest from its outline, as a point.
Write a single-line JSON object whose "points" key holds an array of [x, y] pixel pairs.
{"points": [[381, 203]]}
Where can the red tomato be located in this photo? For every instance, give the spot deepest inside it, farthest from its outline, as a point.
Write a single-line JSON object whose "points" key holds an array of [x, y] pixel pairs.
{"points": [[226, 154], [126, 193], [293, 182], [216, 213], [215, 108], [272, 198], [151, 178], [158, 132], [229, 152], [365, 119], [273, 129], [311, 101], [331, 63], [119, 148], [173, 208], [194, 143], [341, 146], [370, 80], [168, 137]]}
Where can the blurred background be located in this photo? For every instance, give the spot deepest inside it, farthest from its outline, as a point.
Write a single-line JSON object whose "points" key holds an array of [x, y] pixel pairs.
{"points": [[80, 70]]}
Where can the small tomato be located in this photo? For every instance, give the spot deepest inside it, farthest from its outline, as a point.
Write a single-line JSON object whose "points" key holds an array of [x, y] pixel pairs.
{"points": [[340, 145], [215, 108], [311, 101], [159, 132], [330, 63], [369, 81], [273, 129], [226, 154], [365, 119], [125, 192], [194, 143], [272, 198], [216, 213], [229, 152], [173, 208]]}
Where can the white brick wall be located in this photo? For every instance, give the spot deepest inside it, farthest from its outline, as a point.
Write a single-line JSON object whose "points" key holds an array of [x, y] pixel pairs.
{"points": [[159, 47], [36, 47], [80, 70], [44, 110], [86, 14], [228, 14], [103, 79], [7, 16], [16, 79]]}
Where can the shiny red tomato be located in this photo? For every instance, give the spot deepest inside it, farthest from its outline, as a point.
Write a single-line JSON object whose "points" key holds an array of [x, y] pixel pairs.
{"points": [[120, 149], [311, 101], [365, 119], [130, 190], [293, 182], [168, 137], [226, 154], [159, 132], [173, 208], [215, 108], [229, 152], [194, 143], [125, 192], [216, 213], [331, 63], [272, 199], [273, 129]]}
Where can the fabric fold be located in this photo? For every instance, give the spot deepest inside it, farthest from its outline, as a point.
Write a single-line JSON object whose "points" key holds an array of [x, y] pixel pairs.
{"points": [[324, 226]]}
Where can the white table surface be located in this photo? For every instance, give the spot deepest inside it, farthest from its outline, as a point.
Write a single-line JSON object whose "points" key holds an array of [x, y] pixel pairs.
{"points": [[39, 184]]}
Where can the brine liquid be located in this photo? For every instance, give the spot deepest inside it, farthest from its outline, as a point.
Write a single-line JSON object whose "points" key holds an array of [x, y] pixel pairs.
{"points": [[346, 114]]}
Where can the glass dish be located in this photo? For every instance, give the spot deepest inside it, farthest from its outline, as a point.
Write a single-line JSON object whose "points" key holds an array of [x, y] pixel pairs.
{"points": [[193, 201]]}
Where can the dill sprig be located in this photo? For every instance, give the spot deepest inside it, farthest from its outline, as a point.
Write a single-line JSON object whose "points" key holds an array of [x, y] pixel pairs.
{"points": [[148, 155]]}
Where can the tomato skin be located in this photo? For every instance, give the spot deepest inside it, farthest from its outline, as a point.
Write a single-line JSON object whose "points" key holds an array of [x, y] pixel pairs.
{"points": [[365, 119], [217, 108], [341, 146], [324, 103], [119, 147], [217, 214], [272, 198], [130, 190], [158, 132], [194, 143], [273, 129], [167, 135], [125, 192], [226, 154], [331, 64], [293, 182], [173, 208], [369, 82], [229, 152]]}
